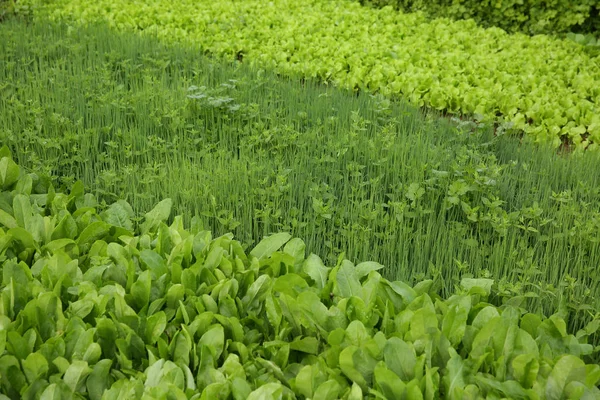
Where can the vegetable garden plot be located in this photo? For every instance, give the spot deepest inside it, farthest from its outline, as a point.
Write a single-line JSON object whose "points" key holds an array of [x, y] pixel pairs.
{"points": [[139, 120], [548, 88], [94, 305]]}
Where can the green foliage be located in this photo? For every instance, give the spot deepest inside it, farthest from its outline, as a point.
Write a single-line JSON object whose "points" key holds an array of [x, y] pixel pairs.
{"points": [[529, 16], [89, 316], [422, 196], [543, 86]]}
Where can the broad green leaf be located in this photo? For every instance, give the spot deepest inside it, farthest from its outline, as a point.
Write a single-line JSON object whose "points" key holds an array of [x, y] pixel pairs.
{"points": [[216, 390], [356, 333], [290, 283], [357, 365], [308, 345], [401, 358], [389, 383], [52, 392], [35, 366], [313, 266], [270, 245], [158, 214], [432, 383], [7, 220], [180, 347], [214, 339], [66, 228], [329, 390], [454, 323], [23, 236], [118, 215], [566, 370], [405, 293], [125, 389], [99, 379], [22, 211], [17, 345], [164, 373], [592, 374], [484, 316], [76, 374], [347, 282], [92, 354], [356, 392], [423, 322], [273, 312], [483, 286], [454, 378], [155, 326], [174, 295], [525, 369], [140, 290], [511, 389], [154, 262], [365, 268], [304, 381], [240, 389], [269, 391], [257, 292], [296, 248], [356, 310], [94, 231], [9, 172]]}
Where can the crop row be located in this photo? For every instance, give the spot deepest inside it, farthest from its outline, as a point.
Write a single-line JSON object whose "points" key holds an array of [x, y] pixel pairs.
{"points": [[138, 120], [94, 305], [547, 87], [530, 16]]}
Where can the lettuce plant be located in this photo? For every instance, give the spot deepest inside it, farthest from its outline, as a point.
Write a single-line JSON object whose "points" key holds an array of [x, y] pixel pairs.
{"points": [[95, 305], [543, 86]]}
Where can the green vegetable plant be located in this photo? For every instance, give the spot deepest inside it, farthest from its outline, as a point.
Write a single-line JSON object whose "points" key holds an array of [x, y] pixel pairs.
{"points": [[529, 16], [139, 120], [95, 305], [541, 85]]}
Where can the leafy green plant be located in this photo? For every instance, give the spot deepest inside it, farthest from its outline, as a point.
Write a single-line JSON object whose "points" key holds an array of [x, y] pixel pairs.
{"points": [[529, 16], [426, 197], [106, 309], [544, 86]]}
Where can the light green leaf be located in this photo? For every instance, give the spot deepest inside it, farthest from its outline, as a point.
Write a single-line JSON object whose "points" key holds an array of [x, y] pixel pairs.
{"points": [[365, 268], [347, 282], [214, 339], [269, 391], [313, 266], [308, 345], [400, 357], [329, 390], [94, 231], [9, 172], [525, 369], [99, 380], [35, 366], [257, 292], [482, 285], [270, 245], [155, 326], [160, 213], [389, 383], [76, 374], [566, 370], [455, 320]]}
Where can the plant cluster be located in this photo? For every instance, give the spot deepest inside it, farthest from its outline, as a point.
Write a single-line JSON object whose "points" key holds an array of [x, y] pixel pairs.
{"points": [[529, 16], [543, 86], [97, 305], [140, 121]]}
